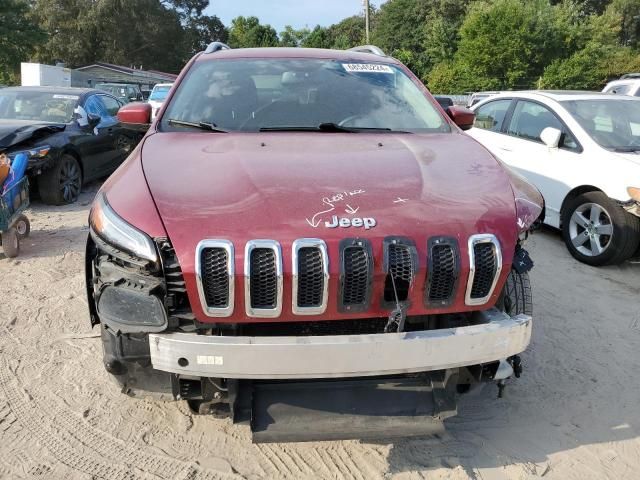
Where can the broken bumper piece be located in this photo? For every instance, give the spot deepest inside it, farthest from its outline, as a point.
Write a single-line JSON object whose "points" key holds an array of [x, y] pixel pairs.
{"points": [[497, 337]]}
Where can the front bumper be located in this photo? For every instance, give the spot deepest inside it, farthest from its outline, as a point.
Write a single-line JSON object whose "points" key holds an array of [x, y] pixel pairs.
{"points": [[497, 337]]}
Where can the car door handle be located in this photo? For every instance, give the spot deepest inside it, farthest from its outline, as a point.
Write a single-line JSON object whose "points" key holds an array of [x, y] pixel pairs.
{"points": [[505, 149]]}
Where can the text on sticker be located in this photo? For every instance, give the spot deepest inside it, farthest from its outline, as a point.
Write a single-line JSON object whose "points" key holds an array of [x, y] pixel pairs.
{"points": [[367, 68]]}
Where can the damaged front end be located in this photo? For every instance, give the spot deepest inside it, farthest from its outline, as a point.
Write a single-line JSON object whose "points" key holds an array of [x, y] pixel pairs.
{"points": [[349, 378]]}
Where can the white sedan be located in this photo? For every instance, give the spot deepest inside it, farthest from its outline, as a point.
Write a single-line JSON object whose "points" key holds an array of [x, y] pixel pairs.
{"points": [[582, 151]]}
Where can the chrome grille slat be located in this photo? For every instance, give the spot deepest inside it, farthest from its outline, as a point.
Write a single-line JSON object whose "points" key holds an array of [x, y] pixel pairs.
{"points": [[215, 277], [442, 271], [215, 273], [310, 282], [485, 261], [400, 264], [264, 294], [263, 278], [356, 275]]}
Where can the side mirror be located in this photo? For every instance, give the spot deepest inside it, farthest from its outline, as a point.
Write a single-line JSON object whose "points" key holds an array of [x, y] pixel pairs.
{"points": [[136, 115], [551, 137], [93, 120], [461, 116]]}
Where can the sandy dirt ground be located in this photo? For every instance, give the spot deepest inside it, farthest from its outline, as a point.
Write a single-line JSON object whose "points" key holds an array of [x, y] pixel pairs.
{"points": [[574, 414]]}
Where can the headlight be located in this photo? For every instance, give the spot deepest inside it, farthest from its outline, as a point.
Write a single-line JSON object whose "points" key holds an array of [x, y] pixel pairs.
{"points": [[634, 193], [37, 152], [113, 230], [529, 201]]}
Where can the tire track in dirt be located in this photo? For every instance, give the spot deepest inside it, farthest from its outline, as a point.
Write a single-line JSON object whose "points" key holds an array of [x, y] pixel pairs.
{"points": [[63, 428]]}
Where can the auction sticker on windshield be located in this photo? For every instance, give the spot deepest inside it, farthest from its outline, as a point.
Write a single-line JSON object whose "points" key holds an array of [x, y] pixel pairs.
{"points": [[66, 97], [367, 68]]}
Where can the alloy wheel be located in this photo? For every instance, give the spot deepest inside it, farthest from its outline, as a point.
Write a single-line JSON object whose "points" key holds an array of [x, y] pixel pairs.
{"points": [[591, 229], [70, 180]]}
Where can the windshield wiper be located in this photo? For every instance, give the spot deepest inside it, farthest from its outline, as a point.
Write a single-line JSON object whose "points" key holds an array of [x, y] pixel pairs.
{"points": [[327, 127], [210, 127]]}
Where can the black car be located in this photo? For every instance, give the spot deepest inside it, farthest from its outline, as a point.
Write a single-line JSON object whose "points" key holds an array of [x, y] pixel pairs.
{"points": [[72, 135]]}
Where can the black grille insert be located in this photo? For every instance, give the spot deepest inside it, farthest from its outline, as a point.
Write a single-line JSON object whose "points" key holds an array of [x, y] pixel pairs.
{"points": [[263, 279], [310, 277], [357, 275], [443, 271], [485, 269], [400, 270], [215, 276]]}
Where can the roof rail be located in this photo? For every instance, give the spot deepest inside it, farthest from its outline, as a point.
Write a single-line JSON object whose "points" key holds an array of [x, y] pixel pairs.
{"points": [[216, 46], [368, 49]]}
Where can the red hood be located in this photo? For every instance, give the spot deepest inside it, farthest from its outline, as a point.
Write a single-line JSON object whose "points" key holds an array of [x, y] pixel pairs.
{"points": [[285, 186]]}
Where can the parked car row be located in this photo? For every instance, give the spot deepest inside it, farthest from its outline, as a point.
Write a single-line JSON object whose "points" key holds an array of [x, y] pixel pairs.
{"points": [[581, 151], [71, 136]]}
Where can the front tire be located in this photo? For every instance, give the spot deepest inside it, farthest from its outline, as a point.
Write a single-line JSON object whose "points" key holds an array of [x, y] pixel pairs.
{"points": [[516, 297], [11, 243], [62, 183], [597, 231]]}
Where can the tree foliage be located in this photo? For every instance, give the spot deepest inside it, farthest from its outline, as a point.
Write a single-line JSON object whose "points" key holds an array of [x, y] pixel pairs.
{"points": [[247, 32], [153, 34], [454, 45], [18, 37]]}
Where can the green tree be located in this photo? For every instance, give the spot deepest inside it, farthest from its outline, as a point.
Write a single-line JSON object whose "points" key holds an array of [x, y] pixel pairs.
{"points": [[293, 38], [506, 44], [348, 33], [628, 14], [247, 32], [18, 38], [400, 25], [318, 38]]}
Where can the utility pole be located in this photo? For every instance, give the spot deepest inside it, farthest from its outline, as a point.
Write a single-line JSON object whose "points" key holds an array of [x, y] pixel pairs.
{"points": [[365, 3]]}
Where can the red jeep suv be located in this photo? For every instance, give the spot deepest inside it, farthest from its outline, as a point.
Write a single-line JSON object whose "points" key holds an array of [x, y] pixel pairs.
{"points": [[306, 241]]}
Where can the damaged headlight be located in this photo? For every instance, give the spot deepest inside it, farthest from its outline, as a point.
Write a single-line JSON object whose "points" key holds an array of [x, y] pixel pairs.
{"points": [[114, 231], [37, 152], [528, 200]]}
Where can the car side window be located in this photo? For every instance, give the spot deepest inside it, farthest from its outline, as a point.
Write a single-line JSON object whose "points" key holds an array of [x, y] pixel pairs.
{"points": [[95, 106], [529, 119], [491, 115], [111, 104], [621, 89]]}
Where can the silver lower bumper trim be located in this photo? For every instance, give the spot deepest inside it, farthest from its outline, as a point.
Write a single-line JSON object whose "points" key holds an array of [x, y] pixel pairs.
{"points": [[338, 356]]}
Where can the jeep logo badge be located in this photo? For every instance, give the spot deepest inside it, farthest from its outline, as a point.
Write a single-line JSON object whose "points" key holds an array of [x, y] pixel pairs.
{"points": [[336, 222]]}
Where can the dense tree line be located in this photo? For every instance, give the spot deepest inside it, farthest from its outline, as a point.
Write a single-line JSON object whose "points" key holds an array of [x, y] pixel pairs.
{"points": [[453, 45]]}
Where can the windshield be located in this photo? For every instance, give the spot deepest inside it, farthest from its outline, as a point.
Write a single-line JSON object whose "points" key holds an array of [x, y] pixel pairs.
{"points": [[39, 106], [159, 93], [612, 123], [298, 94]]}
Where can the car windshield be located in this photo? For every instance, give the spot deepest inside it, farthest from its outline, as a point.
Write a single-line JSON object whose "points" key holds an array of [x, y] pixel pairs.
{"points": [[301, 94], [115, 90], [159, 93], [36, 105], [613, 123]]}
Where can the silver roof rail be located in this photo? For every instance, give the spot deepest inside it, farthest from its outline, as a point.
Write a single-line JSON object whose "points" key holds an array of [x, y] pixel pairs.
{"points": [[216, 46], [368, 49]]}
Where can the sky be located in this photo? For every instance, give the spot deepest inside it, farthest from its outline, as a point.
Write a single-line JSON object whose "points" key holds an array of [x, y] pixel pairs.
{"points": [[278, 13]]}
